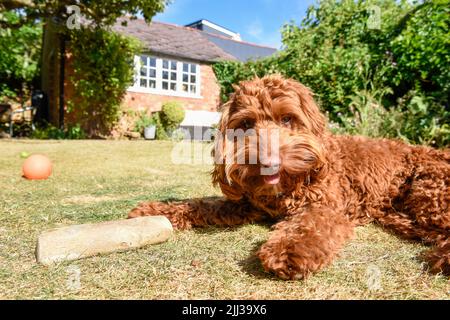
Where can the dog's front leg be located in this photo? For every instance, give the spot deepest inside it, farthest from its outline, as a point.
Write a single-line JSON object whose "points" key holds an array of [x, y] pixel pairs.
{"points": [[201, 212], [305, 242]]}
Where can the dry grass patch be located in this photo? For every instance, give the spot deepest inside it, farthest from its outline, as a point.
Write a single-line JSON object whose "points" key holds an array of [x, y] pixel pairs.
{"points": [[102, 180]]}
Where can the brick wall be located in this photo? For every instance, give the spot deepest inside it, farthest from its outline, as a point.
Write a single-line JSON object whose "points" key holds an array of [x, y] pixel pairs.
{"points": [[209, 91], [209, 101]]}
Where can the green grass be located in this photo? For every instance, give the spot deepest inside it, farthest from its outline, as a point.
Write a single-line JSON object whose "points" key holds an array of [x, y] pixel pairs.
{"points": [[102, 180]]}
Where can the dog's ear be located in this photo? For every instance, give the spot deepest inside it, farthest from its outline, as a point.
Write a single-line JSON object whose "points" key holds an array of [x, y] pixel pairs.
{"points": [[219, 177], [315, 119], [232, 192]]}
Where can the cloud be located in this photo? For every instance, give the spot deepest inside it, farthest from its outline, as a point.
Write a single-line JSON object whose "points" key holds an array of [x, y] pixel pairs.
{"points": [[255, 29], [272, 40]]}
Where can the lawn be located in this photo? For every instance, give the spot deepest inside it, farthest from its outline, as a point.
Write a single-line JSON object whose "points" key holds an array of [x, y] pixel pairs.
{"points": [[102, 180]]}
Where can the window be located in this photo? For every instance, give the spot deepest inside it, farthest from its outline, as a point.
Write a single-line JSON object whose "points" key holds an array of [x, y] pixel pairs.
{"points": [[169, 75], [189, 78], [166, 76], [147, 75]]}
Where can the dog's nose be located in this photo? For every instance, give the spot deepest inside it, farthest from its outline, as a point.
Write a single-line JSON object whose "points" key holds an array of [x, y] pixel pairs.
{"points": [[271, 162]]}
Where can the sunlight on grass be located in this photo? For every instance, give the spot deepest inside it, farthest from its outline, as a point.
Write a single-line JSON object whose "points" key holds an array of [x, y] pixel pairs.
{"points": [[102, 180]]}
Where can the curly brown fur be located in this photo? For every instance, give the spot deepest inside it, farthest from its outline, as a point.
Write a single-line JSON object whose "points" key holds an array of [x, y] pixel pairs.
{"points": [[325, 184]]}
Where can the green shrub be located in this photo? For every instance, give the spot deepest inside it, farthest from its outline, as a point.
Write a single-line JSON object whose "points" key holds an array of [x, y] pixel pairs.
{"points": [[335, 53], [103, 70], [414, 120], [171, 115], [367, 116], [423, 120], [19, 54], [75, 132], [161, 133], [421, 51], [48, 131], [231, 72]]}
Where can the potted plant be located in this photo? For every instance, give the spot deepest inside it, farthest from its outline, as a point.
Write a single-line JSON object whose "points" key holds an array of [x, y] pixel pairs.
{"points": [[146, 125], [150, 130]]}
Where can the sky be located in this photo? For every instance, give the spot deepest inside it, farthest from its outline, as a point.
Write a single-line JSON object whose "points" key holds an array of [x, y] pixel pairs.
{"points": [[257, 21]]}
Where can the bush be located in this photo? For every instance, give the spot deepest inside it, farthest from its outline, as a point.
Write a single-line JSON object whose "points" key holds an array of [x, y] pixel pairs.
{"points": [[423, 120], [421, 51], [19, 56], [161, 133], [412, 120], [171, 115], [367, 116], [106, 58], [48, 131], [231, 72], [335, 53]]}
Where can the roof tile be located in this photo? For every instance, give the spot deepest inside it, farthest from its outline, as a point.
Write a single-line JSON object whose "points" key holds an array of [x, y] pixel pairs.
{"points": [[173, 40]]}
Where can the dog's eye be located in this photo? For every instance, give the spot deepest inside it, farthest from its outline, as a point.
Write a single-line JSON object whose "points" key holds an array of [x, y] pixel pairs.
{"points": [[286, 120], [247, 124]]}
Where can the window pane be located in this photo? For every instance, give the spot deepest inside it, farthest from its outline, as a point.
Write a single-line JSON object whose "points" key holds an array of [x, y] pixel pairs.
{"points": [[185, 77], [173, 65], [165, 64], [193, 88], [143, 83], [152, 84], [193, 68], [173, 76], [165, 75], [173, 86], [152, 73], [143, 72], [185, 88], [152, 62], [185, 67], [165, 85], [143, 60], [193, 79]]}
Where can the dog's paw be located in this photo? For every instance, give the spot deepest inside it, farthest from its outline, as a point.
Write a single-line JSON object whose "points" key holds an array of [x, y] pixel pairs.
{"points": [[286, 264], [173, 212], [142, 211], [438, 258]]}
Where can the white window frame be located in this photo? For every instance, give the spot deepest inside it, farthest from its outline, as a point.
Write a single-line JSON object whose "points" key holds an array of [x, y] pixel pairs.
{"points": [[179, 81]]}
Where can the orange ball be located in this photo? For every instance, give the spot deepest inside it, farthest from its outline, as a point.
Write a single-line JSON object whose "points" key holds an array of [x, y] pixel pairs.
{"points": [[37, 167]]}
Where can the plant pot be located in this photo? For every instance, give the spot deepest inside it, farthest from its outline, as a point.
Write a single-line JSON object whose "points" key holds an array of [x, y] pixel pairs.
{"points": [[150, 132]]}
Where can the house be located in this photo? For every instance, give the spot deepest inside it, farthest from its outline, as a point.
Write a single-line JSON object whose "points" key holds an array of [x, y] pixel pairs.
{"points": [[176, 65]]}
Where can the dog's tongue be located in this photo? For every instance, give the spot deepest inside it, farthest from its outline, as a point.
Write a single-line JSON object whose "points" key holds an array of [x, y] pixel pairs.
{"points": [[272, 179]]}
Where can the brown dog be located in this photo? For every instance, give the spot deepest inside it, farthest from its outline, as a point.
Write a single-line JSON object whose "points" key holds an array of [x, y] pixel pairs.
{"points": [[317, 185]]}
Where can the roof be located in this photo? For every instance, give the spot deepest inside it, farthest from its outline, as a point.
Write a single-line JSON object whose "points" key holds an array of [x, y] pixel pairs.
{"points": [[211, 27], [173, 40], [241, 50], [189, 43]]}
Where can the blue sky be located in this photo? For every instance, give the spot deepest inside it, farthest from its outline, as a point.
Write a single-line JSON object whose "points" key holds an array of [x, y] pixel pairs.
{"points": [[257, 21]]}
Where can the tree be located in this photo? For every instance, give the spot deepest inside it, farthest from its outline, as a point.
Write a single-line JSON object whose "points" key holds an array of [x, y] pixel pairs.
{"points": [[336, 52], [400, 65], [101, 12], [19, 55], [22, 19]]}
